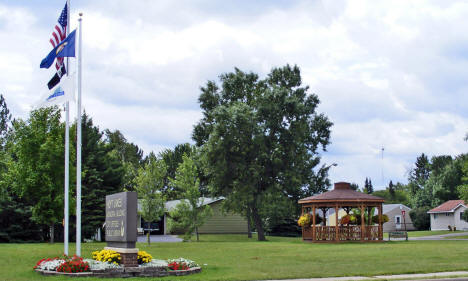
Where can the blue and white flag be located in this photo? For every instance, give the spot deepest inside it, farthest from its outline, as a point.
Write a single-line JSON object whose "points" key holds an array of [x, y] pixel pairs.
{"points": [[66, 48], [63, 92]]}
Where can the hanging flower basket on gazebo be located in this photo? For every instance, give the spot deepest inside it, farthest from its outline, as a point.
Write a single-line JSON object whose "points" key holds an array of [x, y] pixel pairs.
{"points": [[359, 223]]}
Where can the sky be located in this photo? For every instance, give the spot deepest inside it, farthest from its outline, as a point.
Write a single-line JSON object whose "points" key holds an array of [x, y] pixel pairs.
{"points": [[389, 74]]}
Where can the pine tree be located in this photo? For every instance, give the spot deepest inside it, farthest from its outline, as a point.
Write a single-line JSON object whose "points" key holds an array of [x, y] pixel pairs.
{"points": [[370, 189], [391, 189], [102, 175]]}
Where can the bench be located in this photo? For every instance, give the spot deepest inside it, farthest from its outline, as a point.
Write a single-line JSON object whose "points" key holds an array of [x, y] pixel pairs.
{"points": [[398, 234], [140, 231]]}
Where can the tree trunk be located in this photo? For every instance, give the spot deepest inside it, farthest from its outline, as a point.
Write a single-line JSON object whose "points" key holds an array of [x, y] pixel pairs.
{"points": [[196, 231], [51, 229], [258, 224], [249, 223], [148, 237]]}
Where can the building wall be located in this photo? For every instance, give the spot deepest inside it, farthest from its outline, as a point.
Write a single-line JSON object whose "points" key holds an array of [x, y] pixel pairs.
{"points": [[391, 224], [331, 220], [223, 223], [441, 221], [460, 224]]}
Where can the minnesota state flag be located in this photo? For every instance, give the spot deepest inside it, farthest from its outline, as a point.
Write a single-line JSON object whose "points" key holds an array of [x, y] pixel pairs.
{"points": [[66, 48]]}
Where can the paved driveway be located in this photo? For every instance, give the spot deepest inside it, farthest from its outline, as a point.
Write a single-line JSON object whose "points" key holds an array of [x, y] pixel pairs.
{"points": [[442, 237], [160, 238]]}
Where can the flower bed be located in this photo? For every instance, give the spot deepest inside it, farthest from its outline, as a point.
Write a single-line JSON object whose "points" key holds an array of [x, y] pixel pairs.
{"points": [[106, 263]]}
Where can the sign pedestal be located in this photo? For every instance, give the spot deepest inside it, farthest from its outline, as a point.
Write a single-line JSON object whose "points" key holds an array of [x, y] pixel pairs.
{"points": [[129, 256]]}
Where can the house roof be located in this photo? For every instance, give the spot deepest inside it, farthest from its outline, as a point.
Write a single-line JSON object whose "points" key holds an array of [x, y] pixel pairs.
{"points": [[170, 205], [389, 207], [341, 193], [448, 207]]}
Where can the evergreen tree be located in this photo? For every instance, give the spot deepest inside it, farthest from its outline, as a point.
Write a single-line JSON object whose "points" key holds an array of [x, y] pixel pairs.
{"points": [[366, 186], [172, 159], [129, 154], [391, 189], [370, 190], [419, 174], [102, 175], [354, 186], [5, 119]]}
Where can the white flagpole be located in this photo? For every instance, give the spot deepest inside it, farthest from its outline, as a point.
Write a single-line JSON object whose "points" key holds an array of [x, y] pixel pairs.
{"points": [[78, 151], [67, 153]]}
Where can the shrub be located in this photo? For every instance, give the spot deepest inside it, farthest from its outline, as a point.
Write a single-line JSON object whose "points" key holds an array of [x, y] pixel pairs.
{"points": [[421, 219], [110, 256], [287, 228]]}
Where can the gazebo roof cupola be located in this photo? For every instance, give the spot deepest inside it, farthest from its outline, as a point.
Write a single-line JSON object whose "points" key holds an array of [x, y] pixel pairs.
{"points": [[341, 193]]}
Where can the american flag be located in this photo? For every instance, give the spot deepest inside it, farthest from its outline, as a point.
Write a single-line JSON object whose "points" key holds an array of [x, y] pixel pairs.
{"points": [[59, 34]]}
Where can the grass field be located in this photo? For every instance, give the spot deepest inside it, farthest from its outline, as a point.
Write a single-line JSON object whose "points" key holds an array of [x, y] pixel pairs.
{"points": [[235, 257]]}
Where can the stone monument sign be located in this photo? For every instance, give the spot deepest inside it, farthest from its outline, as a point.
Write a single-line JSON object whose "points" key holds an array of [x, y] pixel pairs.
{"points": [[121, 225]]}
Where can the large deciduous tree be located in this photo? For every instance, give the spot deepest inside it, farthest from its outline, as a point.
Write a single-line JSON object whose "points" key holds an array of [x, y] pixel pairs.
{"points": [[261, 137], [36, 172]]}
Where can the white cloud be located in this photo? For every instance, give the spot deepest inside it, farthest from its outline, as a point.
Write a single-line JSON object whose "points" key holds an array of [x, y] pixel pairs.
{"points": [[388, 73]]}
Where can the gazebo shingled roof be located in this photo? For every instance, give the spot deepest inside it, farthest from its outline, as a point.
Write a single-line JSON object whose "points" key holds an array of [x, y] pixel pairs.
{"points": [[341, 193]]}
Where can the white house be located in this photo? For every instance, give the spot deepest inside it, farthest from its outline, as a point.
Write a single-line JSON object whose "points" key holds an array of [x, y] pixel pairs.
{"points": [[449, 214]]}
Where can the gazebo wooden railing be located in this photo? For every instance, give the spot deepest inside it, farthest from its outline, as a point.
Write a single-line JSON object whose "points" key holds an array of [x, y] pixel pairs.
{"points": [[342, 197], [345, 233]]}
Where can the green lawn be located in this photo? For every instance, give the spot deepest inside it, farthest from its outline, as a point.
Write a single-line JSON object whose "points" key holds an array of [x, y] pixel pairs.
{"points": [[235, 257]]}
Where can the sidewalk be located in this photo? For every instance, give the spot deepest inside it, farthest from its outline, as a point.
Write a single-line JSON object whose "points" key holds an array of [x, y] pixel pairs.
{"points": [[421, 276]]}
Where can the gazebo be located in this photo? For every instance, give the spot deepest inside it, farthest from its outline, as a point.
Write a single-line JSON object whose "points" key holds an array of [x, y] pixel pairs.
{"points": [[343, 198]]}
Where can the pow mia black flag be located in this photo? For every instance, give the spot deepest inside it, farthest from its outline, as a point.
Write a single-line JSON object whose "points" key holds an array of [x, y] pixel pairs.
{"points": [[56, 79]]}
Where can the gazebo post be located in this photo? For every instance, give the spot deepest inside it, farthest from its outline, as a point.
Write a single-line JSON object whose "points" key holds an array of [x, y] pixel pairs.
{"points": [[336, 223], [380, 222], [313, 223], [362, 223]]}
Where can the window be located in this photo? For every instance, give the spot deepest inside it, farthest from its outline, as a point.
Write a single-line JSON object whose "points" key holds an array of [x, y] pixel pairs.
{"points": [[447, 214], [435, 216], [397, 219], [461, 216]]}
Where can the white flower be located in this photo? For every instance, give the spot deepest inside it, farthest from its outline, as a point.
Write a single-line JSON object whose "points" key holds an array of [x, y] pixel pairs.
{"points": [[99, 265], [189, 263], [50, 265]]}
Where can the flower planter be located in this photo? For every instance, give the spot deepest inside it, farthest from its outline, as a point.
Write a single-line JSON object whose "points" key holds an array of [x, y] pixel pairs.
{"points": [[126, 272]]}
